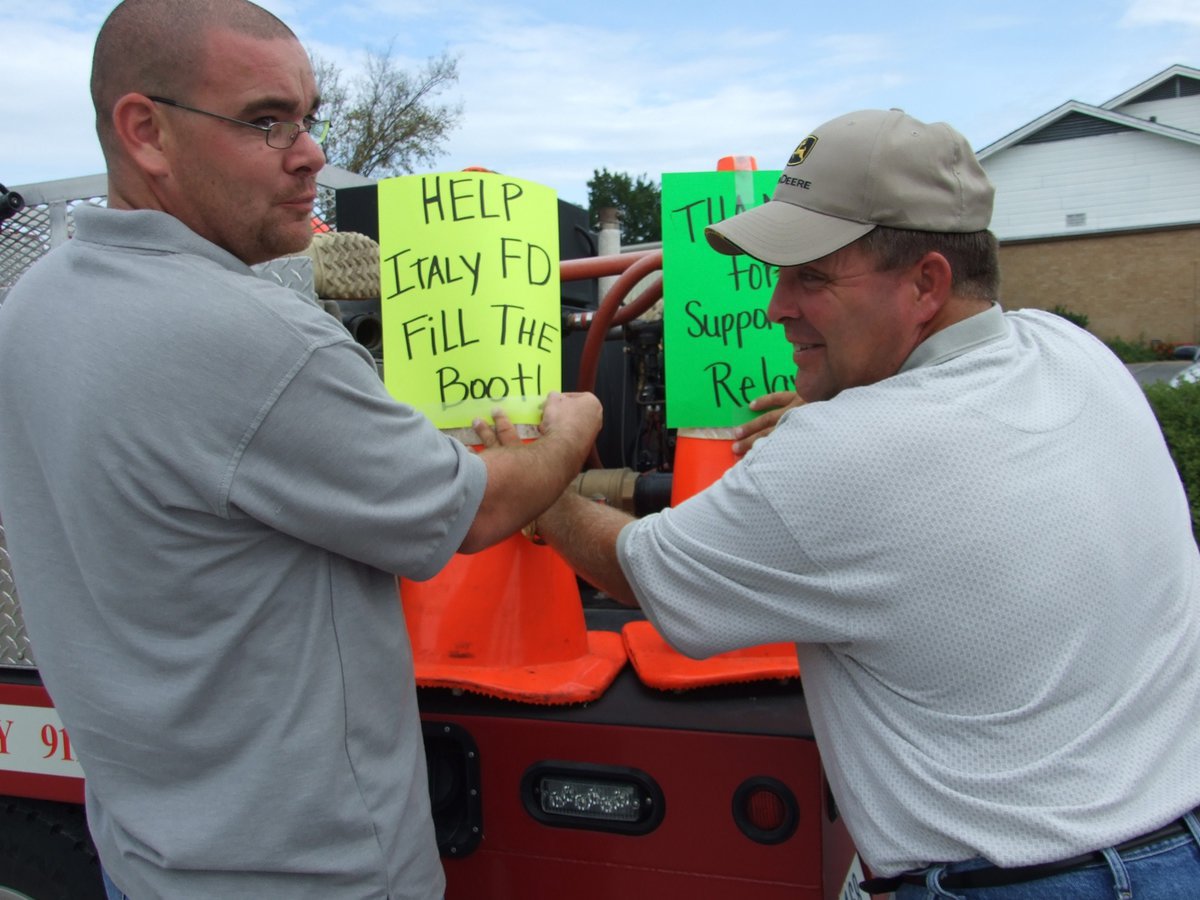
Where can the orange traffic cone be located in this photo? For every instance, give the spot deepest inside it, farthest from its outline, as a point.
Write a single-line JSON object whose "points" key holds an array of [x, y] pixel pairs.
{"points": [[737, 164], [659, 665], [702, 455], [701, 459], [508, 622]]}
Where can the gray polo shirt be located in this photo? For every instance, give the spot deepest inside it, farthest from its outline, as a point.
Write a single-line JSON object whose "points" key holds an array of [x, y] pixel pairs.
{"points": [[207, 494], [987, 564]]}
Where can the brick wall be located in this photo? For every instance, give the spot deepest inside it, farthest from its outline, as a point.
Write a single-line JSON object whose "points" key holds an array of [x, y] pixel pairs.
{"points": [[1135, 285]]}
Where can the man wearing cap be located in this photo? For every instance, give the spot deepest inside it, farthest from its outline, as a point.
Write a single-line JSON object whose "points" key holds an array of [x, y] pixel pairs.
{"points": [[971, 529]]}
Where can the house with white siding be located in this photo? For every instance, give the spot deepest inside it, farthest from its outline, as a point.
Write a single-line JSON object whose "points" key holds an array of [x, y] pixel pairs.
{"points": [[1098, 210]]}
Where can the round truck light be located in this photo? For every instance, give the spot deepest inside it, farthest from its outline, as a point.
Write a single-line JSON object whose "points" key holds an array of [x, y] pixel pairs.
{"points": [[765, 810]]}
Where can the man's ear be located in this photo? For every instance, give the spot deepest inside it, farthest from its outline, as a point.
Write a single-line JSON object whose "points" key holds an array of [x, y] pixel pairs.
{"points": [[932, 279], [137, 127]]}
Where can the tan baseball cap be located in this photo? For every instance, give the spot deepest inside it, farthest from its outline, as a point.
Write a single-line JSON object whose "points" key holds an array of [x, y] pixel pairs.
{"points": [[867, 168]]}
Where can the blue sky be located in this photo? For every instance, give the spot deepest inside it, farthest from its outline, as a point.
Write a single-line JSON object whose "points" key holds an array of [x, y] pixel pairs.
{"points": [[552, 91]]}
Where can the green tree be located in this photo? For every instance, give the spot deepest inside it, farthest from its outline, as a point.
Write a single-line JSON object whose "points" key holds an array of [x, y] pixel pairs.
{"points": [[386, 121], [638, 202]]}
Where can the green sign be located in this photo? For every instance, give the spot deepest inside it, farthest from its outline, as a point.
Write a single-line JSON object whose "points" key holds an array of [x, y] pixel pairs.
{"points": [[721, 350], [469, 295]]}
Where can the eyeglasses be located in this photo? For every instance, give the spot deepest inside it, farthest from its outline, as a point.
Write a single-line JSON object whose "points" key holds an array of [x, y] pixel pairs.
{"points": [[280, 135]]}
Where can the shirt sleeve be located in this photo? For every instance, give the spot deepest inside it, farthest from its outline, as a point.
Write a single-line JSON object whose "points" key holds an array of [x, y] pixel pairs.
{"points": [[338, 463], [723, 570]]}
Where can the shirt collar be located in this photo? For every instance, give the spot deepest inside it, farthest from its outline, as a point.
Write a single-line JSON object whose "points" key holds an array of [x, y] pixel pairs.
{"points": [[152, 230], [961, 337]]}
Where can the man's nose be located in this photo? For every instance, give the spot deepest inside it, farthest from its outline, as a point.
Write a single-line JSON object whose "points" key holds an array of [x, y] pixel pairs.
{"points": [[780, 306], [306, 154]]}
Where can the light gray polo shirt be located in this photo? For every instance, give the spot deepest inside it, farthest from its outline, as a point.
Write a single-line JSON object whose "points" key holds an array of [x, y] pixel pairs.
{"points": [[987, 564], [207, 493]]}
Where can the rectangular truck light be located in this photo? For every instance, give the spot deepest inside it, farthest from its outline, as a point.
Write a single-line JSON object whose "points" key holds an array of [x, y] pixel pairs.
{"points": [[592, 796], [610, 801]]}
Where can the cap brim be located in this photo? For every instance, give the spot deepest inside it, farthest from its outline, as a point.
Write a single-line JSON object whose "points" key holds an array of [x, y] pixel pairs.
{"points": [[783, 234]]}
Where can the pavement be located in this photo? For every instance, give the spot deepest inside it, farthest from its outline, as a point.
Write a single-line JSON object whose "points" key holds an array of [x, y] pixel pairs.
{"points": [[1150, 372]]}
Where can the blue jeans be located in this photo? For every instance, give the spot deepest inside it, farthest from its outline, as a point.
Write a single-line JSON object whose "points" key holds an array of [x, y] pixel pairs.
{"points": [[113, 892], [1165, 870]]}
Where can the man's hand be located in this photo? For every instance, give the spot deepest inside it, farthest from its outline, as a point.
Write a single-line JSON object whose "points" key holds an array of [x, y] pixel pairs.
{"points": [[500, 433], [577, 416], [524, 479], [776, 405]]}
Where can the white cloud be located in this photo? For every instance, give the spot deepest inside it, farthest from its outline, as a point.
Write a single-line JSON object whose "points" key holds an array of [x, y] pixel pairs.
{"points": [[552, 92], [853, 50], [552, 102], [1163, 12], [45, 103]]}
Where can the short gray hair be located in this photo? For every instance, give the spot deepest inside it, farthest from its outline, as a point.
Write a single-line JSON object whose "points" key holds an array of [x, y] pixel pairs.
{"points": [[973, 256]]}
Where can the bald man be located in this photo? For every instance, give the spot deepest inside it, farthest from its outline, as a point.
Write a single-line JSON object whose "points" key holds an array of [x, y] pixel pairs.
{"points": [[208, 494]]}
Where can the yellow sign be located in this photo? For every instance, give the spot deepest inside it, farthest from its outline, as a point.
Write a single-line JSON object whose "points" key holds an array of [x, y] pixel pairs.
{"points": [[469, 295]]}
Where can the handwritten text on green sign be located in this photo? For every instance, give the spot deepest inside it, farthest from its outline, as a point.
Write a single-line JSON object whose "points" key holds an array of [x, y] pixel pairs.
{"points": [[721, 350]]}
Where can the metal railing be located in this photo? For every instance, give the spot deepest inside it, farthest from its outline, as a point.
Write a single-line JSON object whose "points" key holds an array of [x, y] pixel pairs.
{"points": [[48, 217]]}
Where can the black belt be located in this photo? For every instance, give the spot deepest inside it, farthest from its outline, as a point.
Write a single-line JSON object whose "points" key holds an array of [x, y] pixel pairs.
{"points": [[995, 876]]}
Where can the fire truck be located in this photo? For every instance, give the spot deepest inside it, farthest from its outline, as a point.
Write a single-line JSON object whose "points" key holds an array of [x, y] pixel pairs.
{"points": [[676, 778]]}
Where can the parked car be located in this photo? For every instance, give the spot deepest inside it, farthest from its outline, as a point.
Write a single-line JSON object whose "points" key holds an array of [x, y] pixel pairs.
{"points": [[1187, 351], [1191, 374]]}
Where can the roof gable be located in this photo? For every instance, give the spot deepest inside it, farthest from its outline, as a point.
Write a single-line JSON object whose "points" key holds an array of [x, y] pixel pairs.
{"points": [[1176, 81], [1075, 120], [1075, 124], [1082, 169]]}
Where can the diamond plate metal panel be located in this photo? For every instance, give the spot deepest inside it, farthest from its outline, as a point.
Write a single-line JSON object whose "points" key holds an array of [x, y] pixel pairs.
{"points": [[14, 642], [295, 272]]}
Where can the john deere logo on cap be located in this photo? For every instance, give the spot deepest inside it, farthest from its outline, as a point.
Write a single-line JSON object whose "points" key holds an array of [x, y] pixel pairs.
{"points": [[801, 152]]}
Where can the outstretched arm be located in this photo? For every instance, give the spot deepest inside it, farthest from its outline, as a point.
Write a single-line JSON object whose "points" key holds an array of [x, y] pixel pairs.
{"points": [[585, 535], [583, 532], [524, 479]]}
